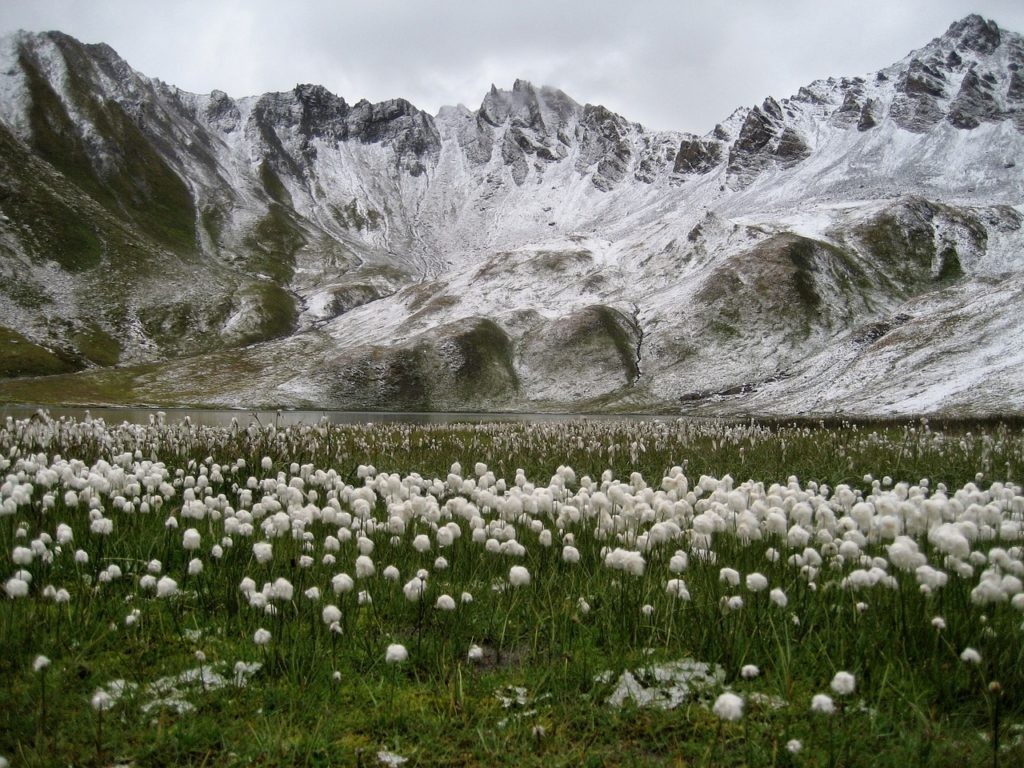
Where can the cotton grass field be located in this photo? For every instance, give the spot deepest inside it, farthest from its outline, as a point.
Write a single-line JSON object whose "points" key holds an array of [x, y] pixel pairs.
{"points": [[577, 593]]}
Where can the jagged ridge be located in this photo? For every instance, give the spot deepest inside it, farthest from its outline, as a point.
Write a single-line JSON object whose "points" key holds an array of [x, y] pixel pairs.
{"points": [[527, 254]]}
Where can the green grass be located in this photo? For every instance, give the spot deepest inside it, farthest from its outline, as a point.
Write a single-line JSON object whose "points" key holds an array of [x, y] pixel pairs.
{"points": [[273, 243], [21, 357], [97, 346], [277, 312], [915, 702], [485, 362], [138, 183]]}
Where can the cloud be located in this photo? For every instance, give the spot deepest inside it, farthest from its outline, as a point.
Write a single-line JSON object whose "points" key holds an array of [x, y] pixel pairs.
{"points": [[665, 63]]}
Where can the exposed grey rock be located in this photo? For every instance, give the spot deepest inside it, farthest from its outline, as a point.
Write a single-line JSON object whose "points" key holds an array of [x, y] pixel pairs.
{"points": [[919, 90], [975, 103], [697, 156], [868, 118], [604, 147]]}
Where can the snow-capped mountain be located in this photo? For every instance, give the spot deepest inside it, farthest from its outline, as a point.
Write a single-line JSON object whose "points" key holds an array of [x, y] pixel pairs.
{"points": [[855, 247]]}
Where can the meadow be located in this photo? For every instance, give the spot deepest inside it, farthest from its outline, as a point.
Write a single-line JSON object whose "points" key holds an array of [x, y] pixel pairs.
{"points": [[659, 592]]}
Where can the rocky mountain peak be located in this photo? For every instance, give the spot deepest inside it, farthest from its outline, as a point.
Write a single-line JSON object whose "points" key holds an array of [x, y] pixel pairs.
{"points": [[487, 253], [974, 33]]}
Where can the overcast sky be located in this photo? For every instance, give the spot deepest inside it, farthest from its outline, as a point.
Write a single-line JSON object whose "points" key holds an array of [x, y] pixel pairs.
{"points": [[683, 64]]}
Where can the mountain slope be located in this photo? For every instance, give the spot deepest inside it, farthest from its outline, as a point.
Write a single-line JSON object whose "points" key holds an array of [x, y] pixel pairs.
{"points": [[835, 250]]}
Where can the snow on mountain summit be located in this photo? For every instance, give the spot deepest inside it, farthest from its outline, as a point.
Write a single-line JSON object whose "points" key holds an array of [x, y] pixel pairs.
{"points": [[534, 252]]}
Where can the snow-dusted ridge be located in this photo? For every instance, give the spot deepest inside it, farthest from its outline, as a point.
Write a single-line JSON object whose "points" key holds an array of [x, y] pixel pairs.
{"points": [[854, 247]]}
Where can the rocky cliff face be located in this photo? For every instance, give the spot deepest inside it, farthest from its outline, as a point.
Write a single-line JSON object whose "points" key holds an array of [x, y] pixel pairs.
{"points": [[531, 253]]}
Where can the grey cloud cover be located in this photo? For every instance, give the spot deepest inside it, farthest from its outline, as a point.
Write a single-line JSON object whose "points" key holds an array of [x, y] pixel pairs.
{"points": [[683, 65]]}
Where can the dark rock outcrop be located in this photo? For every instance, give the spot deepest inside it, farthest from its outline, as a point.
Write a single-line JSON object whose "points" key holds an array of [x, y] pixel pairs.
{"points": [[697, 156]]}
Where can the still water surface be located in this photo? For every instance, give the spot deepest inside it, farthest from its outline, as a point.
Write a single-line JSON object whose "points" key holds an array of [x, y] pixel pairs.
{"points": [[219, 418]]}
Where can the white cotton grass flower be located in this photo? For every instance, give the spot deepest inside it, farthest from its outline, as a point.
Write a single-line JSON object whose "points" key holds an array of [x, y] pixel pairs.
{"points": [[330, 614], [793, 746], [166, 587], [677, 588], [191, 540], [938, 623], [518, 576], [756, 582], [970, 656], [475, 653], [40, 663], [421, 543], [678, 562], [749, 671], [728, 707], [195, 566], [364, 567], [466, 598], [445, 603], [391, 573], [627, 560], [440, 564], [843, 683], [102, 701], [342, 583], [282, 590], [647, 610], [313, 593], [778, 597], [729, 576], [16, 588], [263, 551], [396, 654], [414, 589], [570, 554], [261, 636], [822, 704]]}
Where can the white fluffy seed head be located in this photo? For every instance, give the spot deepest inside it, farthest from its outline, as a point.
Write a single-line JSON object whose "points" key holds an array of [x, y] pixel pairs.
{"points": [[970, 656], [843, 683], [263, 551], [822, 704], [413, 589], [518, 576], [756, 582], [102, 701], [166, 587], [445, 603], [396, 654], [728, 707], [191, 540]]}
